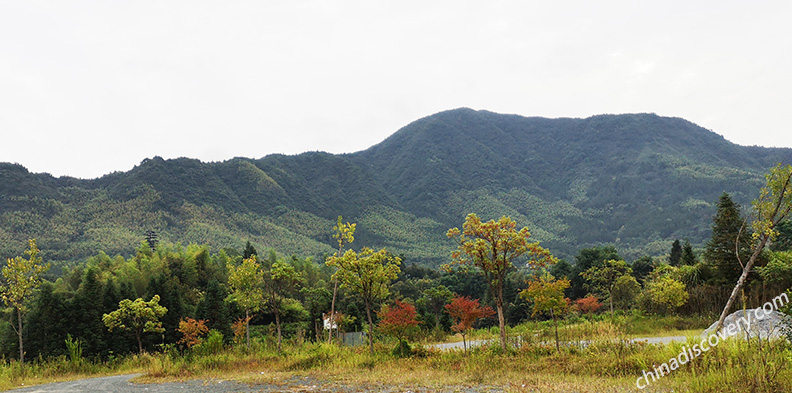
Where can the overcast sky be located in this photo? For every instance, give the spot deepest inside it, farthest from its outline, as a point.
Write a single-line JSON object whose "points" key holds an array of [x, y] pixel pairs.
{"points": [[92, 87]]}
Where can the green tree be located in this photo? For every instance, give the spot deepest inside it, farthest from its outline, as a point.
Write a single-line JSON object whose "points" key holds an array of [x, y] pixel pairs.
{"points": [[584, 260], [213, 309], [547, 295], [86, 311], [316, 301], [138, 317], [344, 234], [642, 267], [666, 294], [772, 207], [688, 256], [493, 247], [278, 281], [246, 282], [729, 234], [47, 321], [602, 279], [675, 256], [249, 251], [436, 298], [367, 274], [625, 290], [22, 277]]}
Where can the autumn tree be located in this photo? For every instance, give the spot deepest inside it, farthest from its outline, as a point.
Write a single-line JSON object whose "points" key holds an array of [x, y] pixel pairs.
{"points": [[547, 295], [278, 281], [588, 305], [22, 277], [344, 234], [138, 317], [465, 312], [602, 279], [191, 331], [368, 275], [398, 320], [493, 247], [435, 299], [771, 208], [246, 282]]}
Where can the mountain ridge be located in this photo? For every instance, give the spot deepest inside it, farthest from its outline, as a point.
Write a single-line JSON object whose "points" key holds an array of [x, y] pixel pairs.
{"points": [[636, 181]]}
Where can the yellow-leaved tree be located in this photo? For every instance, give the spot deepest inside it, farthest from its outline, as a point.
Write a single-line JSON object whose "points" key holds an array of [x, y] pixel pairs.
{"points": [[21, 277], [493, 247]]}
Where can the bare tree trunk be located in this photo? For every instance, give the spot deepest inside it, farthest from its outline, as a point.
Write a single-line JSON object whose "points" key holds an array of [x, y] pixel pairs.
{"points": [[140, 342], [501, 318], [247, 328], [741, 282], [464, 343], [278, 327], [371, 328], [332, 312], [19, 334]]}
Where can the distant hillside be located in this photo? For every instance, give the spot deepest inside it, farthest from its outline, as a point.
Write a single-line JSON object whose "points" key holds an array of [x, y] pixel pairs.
{"points": [[637, 181]]}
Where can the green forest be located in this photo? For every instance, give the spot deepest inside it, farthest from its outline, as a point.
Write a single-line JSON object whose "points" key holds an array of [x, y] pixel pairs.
{"points": [[637, 182]]}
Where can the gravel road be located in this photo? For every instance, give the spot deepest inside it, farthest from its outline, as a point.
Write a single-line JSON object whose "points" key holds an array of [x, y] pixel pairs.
{"points": [[121, 384]]}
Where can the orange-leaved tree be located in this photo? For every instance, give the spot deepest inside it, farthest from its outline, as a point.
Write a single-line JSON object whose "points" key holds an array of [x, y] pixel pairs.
{"points": [[465, 311], [191, 331], [493, 247]]}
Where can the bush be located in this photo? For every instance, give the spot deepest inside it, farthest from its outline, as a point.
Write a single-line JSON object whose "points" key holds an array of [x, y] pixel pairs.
{"points": [[211, 345], [402, 349]]}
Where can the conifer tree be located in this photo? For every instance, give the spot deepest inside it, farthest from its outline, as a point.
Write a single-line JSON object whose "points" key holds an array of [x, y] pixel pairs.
{"points": [[675, 256], [720, 251], [688, 256]]}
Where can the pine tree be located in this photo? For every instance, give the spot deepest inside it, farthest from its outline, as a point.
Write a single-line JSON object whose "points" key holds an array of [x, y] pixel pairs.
{"points": [[720, 250], [676, 254], [688, 256], [214, 310], [249, 251], [87, 310]]}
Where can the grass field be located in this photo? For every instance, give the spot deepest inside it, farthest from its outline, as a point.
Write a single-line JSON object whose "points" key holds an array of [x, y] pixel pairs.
{"points": [[606, 364]]}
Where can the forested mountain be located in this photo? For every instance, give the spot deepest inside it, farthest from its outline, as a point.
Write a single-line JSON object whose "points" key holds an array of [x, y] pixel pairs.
{"points": [[636, 181]]}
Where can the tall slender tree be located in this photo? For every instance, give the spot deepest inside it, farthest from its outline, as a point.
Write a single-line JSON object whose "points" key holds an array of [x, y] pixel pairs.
{"points": [[344, 234], [22, 277], [675, 256], [688, 256], [367, 274], [279, 280], [246, 282], [730, 242], [493, 247]]}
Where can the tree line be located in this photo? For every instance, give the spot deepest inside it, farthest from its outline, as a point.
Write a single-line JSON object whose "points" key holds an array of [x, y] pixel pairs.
{"points": [[164, 296]]}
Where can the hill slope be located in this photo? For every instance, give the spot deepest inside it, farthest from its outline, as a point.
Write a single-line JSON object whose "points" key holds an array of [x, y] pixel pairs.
{"points": [[637, 181]]}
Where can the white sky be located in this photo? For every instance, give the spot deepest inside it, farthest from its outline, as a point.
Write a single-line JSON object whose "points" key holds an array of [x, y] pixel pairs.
{"points": [[92, 87]]}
